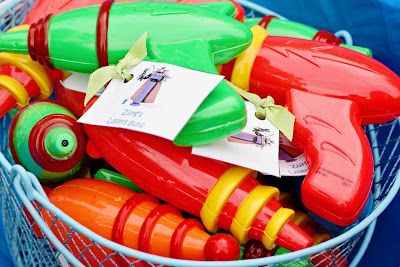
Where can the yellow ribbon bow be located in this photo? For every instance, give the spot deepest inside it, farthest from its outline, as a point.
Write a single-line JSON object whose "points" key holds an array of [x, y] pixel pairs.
{"points": [[279, 116], [102, 76]]}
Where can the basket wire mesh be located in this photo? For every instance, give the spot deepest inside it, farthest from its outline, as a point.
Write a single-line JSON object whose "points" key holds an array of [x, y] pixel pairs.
{"points": [[39, 234]]}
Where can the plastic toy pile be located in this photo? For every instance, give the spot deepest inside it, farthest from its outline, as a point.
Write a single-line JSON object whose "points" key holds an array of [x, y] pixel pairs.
{"points": [[152, 194]]}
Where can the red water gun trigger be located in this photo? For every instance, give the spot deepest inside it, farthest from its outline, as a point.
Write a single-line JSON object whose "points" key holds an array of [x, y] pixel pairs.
{"points": [[338, 152]]}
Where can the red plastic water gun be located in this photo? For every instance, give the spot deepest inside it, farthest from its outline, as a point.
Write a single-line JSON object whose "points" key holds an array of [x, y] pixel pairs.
{"points": [[224, 196], [332, 91], [136, 220]]}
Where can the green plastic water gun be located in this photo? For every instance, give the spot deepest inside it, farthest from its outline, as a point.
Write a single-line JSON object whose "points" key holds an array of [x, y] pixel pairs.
{"points": [[281, 27], [116, 178], [193, 36]]}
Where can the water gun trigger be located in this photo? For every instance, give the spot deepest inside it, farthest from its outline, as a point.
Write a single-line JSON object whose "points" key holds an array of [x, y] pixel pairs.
{"points": [[338, 152], [92, 150]]}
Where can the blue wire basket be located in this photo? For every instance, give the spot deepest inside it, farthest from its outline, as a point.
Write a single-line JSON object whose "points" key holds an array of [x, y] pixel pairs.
{"points": [[33, 243]]}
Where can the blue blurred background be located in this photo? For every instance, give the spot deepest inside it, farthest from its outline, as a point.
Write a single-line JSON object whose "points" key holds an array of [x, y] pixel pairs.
{"points": [[372, 23]]}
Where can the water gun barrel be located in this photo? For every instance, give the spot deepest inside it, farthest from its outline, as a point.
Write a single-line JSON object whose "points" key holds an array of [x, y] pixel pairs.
{"points": [[46, 139], [57, 41], [303, 220], [306, 223], [222, 195], [279, 27], [21, 79], [237, 202], [140, 222], [42, 7]]}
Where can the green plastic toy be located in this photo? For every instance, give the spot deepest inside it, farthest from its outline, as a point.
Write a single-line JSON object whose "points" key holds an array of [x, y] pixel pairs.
{"points": [[280, 27], [190, 36], [46, 139], [116, 178], [298, 263]]}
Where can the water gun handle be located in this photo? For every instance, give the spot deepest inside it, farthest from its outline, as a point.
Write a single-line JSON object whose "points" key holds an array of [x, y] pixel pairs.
{"points": [[341, 171]]}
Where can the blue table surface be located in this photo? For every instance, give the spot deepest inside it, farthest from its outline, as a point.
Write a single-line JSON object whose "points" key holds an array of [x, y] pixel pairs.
{"points": [[384, 249]]}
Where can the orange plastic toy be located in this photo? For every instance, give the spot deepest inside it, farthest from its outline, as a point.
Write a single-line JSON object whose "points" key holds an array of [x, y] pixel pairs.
{"points": [[139, 221]]}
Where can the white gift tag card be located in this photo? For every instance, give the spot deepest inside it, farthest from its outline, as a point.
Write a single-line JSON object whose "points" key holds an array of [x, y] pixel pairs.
{"points": [[159, 100], [291, 161], [77, 82], [293, 167], [255, 147]]}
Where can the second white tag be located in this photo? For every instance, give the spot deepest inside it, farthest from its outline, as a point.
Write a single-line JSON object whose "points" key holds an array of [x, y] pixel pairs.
{"points": [[256, 147]]}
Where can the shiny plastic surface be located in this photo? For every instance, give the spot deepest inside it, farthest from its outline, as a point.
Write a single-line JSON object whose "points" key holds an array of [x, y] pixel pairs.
{"points": [[116, 178], [71, 99], [337, 230], [189, 182], [332, 92], [306, 223], [231, 39], [139, 221], [42, 7], [280, 27], [46, 139], [304, 220], [73, 47]]}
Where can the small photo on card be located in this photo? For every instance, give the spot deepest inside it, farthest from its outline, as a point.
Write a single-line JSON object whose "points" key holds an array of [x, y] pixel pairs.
{"points": [[255, 147], [153, 78]]}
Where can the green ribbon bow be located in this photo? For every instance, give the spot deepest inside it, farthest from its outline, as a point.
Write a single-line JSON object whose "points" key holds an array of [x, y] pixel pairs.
{"points": [[279, 116], [102, 76]]}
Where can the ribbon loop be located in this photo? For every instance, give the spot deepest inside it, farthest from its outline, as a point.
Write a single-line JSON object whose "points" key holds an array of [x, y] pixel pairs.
{"points": [[102, 76], [279, 116]]}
